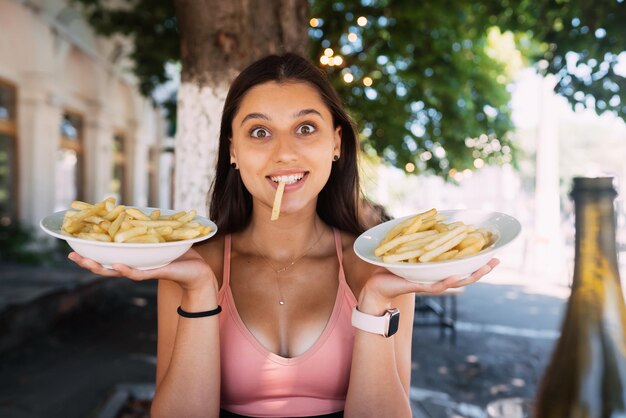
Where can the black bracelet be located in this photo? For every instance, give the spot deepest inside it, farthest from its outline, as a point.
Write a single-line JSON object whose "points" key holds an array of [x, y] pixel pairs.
{"points": [[199, 314]]}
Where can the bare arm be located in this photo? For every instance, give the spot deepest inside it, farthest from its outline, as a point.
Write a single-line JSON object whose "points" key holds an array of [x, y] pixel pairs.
{"points": [[381, 367], [188, 356]]}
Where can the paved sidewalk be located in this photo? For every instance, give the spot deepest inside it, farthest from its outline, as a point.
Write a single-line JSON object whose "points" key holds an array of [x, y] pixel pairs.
{"points": [[70, 367], [68, 339], [505, 336], [33, 298]]}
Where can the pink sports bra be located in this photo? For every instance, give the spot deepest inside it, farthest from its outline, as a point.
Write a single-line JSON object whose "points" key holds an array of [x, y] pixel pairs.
{"points": [[257, 382]]}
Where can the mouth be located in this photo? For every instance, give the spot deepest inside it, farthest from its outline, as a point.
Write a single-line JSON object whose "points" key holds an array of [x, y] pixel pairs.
{"points": [[290, 179]]}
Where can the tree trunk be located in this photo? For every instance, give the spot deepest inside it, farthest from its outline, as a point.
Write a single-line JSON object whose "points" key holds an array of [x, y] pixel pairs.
{"points": [[218, 39]]}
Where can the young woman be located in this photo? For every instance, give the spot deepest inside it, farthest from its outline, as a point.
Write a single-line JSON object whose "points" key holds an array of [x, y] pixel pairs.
{"points": [[283, 344]]}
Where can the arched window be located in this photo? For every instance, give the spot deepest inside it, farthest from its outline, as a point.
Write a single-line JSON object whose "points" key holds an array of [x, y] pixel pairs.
{"points": [[69, 161]]}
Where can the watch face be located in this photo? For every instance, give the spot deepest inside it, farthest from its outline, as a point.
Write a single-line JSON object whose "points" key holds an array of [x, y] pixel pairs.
{"points": [[394, 321]]}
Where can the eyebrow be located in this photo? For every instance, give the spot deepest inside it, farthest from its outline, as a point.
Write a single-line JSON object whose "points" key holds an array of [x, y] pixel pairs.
{"points": [[255, 116], [296, 115], [305, 112]]}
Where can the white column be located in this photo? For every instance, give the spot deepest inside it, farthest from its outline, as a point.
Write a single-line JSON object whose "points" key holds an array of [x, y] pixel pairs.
{"points": [[547, 241], [38, 142], [98, 141]]}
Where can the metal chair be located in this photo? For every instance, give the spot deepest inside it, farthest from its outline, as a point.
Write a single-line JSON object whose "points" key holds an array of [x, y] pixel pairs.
{"points": [[438, 310]]}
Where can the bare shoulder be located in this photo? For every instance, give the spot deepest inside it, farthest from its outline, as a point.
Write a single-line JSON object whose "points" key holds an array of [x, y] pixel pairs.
{"points": [[357, 271], [212, 251]]}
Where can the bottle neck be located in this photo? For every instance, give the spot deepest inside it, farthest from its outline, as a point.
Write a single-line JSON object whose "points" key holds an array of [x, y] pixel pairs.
{"points": [[595, 239]]}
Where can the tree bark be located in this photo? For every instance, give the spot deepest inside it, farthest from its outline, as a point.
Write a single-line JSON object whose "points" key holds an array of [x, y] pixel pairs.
{"points": [[218, 39]]}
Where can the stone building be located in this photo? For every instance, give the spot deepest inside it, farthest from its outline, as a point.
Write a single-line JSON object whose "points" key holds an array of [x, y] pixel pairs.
{"points": [[72, 122]]}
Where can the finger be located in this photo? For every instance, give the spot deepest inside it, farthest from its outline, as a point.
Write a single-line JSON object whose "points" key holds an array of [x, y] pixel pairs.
{"points": [[454, 282], [396, 286], [136, 274], [389, 286], [440, 286], [465, 281], [487, 268], [92, 266], [169, 271], [478, 274], [493, 262]]}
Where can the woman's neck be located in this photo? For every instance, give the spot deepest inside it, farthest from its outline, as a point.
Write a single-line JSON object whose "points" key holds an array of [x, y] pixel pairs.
{"points": [[286, 238]]}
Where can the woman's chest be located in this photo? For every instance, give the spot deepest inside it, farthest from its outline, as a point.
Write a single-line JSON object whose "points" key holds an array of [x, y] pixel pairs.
{"points": [[285, 311]]}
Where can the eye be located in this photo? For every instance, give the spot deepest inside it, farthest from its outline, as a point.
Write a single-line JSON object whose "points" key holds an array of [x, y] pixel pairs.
{"points": [[306, 129], [259, 133]]}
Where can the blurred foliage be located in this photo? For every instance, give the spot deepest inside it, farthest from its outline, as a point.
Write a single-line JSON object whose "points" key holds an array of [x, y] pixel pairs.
{"points": [[20, 244], [439, 71], [152, 27], [581, 42], [433, 81]]}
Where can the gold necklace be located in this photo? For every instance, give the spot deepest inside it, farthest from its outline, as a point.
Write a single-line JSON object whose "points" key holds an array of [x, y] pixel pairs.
{"points": [[281, 300]]}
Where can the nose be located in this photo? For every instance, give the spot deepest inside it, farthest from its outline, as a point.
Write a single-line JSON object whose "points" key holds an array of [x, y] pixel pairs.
{"points": [[284, 148]]}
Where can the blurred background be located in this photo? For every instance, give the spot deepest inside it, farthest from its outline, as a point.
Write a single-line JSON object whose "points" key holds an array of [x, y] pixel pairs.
{"points": [[494, 105]]}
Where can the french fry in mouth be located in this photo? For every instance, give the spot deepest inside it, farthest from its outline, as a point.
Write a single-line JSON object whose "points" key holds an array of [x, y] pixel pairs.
{"points": [[278, 198]]}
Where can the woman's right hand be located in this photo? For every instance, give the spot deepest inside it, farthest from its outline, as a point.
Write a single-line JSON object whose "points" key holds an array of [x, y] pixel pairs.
{"points": [[189, 271]]}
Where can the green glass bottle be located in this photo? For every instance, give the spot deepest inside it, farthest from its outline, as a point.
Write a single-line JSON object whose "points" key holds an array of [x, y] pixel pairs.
{"points": [[586, 377]]}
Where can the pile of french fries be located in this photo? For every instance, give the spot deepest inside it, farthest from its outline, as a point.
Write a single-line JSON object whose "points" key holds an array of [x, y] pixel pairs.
{"points": [[107, 222], [426, 238]]}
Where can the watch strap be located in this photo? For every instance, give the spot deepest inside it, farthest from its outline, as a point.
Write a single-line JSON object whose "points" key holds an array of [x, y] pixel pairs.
{"points": [[375, 324]]}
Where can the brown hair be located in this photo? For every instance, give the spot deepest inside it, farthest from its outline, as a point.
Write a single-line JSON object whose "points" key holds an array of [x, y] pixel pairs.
{"points": [[231, 203]]}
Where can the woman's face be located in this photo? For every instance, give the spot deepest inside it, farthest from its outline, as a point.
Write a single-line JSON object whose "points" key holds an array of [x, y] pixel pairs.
{"points": [[284, 132]]}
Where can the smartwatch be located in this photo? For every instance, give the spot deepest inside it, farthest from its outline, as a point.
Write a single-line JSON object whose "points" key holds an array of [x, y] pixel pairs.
{"points": [[385, 325]]}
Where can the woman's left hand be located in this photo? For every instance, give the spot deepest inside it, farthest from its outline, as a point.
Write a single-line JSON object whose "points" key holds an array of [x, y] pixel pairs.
{"points": [[383, 286]]}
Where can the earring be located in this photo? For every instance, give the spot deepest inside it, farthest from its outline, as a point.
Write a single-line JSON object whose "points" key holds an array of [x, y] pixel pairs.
{"points": [[335, 158], [233, 165]]}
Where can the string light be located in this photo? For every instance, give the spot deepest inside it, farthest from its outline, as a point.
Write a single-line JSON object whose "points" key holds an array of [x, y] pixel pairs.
{"points": [[367, 81], [314, 22], [348, 78], [361, 21]]}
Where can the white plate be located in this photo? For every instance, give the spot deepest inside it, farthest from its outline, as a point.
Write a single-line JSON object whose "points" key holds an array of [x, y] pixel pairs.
{"points": [[142, 256], [504, 227]]}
